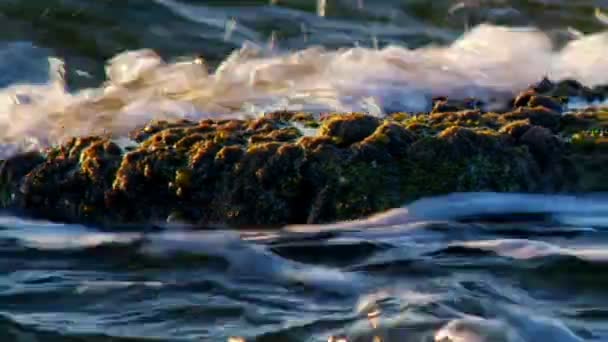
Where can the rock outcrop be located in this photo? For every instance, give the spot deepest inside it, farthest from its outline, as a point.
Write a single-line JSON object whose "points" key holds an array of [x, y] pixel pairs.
{"points": [[267, 171]]}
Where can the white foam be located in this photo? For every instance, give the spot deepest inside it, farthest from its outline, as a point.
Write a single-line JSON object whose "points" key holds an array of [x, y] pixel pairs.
{"points": [[524, 249], [245, 259], [45, 235], [473, 329], [489, 61], [57, 237], [515, 248], [489, 203]]}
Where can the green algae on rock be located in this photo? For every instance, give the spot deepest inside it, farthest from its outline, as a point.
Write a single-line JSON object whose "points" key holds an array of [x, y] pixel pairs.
{"points": [[267, 171]]}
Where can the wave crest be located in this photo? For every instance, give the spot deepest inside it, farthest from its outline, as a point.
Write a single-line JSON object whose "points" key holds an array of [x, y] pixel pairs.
{"points": [[490, 62]]}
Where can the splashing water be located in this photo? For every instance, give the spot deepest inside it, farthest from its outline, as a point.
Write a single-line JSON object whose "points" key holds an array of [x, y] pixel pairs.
{"points": [[491, 63]]}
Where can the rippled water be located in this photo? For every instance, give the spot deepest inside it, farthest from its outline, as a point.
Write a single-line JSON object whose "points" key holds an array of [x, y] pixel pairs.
{"points": [[468, 267], [447, 265]]}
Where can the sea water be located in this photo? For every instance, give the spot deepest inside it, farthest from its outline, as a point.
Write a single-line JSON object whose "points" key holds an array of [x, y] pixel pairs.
{"points": [[461, 267]]}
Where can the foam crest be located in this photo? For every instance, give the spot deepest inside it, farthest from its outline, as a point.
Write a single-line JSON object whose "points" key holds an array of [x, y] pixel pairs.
{"points": [[523, 249], [566, 209], [57, 237], [248, 260], [489, 62], [462, 205], [516, 248], [473, 329]]}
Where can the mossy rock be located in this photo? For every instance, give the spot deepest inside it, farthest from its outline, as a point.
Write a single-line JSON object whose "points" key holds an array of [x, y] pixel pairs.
{"points": [[463, 159], [540, 116], [350, 128], [266, 171]]}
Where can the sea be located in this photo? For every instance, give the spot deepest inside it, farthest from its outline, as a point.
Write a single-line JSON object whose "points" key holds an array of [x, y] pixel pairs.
{"points": [[463, 267]]}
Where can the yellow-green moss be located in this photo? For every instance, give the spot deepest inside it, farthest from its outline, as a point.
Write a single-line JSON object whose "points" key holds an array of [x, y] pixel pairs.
{"points": [[263, 171], [349, 129], [590, 140]]}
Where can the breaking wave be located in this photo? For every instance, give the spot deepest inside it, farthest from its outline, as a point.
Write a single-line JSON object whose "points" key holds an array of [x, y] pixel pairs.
{"points": [[489, 62]]}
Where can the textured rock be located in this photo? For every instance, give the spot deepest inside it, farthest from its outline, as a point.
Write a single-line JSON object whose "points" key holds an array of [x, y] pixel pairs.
{"points": [[265, 171]]}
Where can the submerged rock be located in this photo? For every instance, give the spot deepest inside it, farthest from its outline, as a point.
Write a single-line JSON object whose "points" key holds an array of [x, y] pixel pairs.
{"points": [[266, 171]]}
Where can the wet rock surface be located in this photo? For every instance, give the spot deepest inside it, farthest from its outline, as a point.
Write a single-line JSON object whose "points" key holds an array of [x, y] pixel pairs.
{"points": [[266, 171]]}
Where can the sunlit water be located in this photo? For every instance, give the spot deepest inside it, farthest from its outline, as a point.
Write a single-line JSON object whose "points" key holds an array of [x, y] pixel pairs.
{"points": [[466, 267]]}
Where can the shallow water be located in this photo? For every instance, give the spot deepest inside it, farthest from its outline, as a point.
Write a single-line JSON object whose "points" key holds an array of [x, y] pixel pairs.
{"points": [[471, 267]]}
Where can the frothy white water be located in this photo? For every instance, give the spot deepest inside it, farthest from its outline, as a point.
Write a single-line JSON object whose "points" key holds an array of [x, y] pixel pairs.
{"points": [[489, 62]]}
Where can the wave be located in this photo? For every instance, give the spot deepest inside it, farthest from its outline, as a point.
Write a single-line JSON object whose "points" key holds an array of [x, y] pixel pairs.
{"points": [[591, 209], [243, 259], [524, 249], [423, 229], [426, 218], [423, 274], [13, 330], [468, 319], [489, 62]]}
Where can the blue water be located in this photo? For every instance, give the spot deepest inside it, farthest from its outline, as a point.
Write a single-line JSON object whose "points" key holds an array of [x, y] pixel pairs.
{"points": [[467, 267]]}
